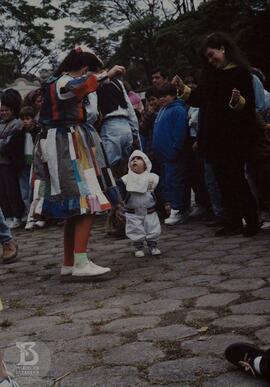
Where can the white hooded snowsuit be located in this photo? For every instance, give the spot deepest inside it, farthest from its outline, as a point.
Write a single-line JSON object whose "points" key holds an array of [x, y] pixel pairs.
{"points": [[142, 222]]}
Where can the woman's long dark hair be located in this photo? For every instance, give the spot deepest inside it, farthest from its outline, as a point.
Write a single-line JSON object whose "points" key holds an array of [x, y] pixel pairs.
{"points": [[233, 53], [77, 59]]}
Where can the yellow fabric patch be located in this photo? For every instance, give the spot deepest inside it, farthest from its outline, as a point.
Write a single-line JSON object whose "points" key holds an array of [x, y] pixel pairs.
{"points": [[240, 105], [83, 202], [186, 93], [229, 66]]}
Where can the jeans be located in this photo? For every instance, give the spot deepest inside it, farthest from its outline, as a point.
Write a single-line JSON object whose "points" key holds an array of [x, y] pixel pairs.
{"points": [[175, 183], [117, 139], [213, 189], [5, 234]]}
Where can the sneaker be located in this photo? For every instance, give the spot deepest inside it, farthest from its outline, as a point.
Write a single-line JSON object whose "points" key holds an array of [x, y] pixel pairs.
{"points": [[66, 270], [198, 212], [40, 224], [243, 355], [29, 225], [176, 217], [154, 251], [139, 253], [10, 250], [16, 223], [89, 269]]}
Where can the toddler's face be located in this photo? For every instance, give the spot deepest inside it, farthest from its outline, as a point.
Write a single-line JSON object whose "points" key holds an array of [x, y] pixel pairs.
{"points": [[137, 165]]}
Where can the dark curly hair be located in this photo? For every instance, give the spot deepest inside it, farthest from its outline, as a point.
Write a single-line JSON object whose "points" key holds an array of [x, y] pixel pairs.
{"points": [[77, 59], [12, 99]]}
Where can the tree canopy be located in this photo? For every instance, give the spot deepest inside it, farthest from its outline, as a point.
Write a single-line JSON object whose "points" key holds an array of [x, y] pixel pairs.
{"points": [[25, 37]]}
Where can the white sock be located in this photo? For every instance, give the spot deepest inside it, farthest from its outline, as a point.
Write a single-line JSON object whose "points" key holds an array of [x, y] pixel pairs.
{"points": [[256, 364], [80, 260]]}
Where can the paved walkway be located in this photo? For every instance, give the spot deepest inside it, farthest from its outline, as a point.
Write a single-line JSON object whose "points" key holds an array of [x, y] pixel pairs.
{"points": [[156, 321]]}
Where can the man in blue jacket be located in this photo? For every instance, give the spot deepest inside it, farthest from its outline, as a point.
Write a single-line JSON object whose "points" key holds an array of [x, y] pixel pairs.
{"points": [[170, 144]]}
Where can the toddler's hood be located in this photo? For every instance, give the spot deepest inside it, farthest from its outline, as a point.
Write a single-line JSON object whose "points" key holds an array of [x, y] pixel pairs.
{"points": [[138, 153]]}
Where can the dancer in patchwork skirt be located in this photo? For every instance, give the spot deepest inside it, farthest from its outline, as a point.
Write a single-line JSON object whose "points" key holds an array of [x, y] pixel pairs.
{"points": [[71, 176]]}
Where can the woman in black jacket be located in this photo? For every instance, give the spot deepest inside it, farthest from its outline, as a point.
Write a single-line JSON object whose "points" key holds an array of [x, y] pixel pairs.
{"points": [[227, 127]]}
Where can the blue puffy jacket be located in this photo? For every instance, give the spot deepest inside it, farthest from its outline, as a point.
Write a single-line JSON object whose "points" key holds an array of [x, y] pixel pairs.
{"points": [[171, 131]]}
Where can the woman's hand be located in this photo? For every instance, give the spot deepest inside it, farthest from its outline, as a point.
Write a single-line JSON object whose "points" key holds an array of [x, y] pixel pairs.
{"points": [[178, 83], [116, 70], [235, 97]]}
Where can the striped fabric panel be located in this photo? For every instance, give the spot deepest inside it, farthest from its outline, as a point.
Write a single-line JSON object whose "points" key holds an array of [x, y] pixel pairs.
{"points": [[51, 151]]}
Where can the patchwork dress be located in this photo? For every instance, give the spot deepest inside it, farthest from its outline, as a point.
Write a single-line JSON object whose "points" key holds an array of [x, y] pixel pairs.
{"points": [[71, 174]]}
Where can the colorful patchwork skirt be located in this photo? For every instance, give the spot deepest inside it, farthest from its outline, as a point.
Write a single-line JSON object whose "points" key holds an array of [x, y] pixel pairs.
{"points": [[71, 174]]}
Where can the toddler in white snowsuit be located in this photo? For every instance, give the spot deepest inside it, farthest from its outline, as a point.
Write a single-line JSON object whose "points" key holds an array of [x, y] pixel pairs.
{"points": [[142, 222]]}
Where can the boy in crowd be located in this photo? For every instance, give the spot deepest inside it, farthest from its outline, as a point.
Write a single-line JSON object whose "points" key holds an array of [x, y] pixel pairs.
{"points": [[171, 147], [27, 138]]}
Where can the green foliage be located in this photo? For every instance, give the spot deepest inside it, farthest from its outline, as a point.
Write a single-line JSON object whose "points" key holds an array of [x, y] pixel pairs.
{"points": [[25, 36]]}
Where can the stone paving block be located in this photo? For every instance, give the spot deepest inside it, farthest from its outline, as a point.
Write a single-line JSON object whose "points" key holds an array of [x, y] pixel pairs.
{"points": [[168, 333], [156, 307], [216, 300], [90, 343], [118, 376], [185, 370], [133, 354], [208, 254], [235, 379], [240, 321], [262, 293], [37, 323], [67, 330], [131, 324], [199, 315], [212, 344], [235, 285], [258, 307], [202, 280], [264, 335], [102, 314], [126, 300], [218, 269], [182, 293], [63, 362], [155, 286], [252, 272], [170, 276]]}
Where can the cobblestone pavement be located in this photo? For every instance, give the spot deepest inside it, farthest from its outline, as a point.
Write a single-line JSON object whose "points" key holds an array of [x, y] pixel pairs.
{"points": [[154, 321]]}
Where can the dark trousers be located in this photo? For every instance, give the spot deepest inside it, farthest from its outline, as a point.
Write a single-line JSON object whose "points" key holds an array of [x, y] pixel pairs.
{"points": [[238, 201], [197, 180]]}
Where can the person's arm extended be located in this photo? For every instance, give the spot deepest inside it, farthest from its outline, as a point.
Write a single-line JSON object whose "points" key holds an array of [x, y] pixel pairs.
{"points": [[82, 86], [192, 97]]}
